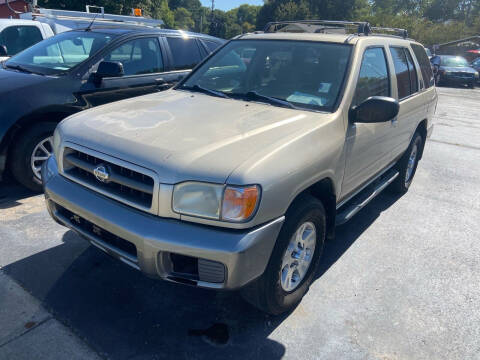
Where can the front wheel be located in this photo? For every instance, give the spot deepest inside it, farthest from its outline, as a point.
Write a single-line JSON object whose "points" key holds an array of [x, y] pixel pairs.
{"points": [[30, 150], [294, 260]]}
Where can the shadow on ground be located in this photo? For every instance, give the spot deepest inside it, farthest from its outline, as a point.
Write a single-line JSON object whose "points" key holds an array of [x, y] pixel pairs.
{"points": [[11, 193], [124, 315]]}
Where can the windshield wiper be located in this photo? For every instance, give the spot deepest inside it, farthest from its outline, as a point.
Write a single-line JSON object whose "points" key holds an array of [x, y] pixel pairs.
{"points": [[22, 69], [205, 91], [253, 95]]}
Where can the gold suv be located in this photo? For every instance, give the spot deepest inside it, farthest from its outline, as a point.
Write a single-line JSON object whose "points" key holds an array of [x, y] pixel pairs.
{"points": [[236, 177]]}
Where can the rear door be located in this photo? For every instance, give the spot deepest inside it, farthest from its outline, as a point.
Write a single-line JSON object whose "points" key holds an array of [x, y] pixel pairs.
{"points": [[409, 94], [184, 53], [143, 65], [427, 83]]}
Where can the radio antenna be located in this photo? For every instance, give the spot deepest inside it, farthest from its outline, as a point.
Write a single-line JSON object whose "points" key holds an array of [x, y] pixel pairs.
{"points": [[90, 26]]}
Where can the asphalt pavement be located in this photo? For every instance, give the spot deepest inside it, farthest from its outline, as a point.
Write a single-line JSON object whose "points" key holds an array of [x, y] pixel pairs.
{"points": [[400, 281]]}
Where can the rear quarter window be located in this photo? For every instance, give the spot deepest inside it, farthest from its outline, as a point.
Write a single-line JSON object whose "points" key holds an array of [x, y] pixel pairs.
{"points": [[211, 45], [185, 52], [425, 66]]}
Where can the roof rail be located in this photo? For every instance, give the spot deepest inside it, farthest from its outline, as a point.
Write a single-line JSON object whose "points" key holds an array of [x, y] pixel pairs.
{"points": [[326, 26], [89, 16]]}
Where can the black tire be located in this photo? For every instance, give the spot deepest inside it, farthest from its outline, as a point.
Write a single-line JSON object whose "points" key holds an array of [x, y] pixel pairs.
{"points": [[266, 292], [471, 85], [21, 152], [401, 184]]}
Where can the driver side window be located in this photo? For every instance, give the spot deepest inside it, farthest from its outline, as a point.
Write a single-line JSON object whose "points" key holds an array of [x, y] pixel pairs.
{"points": [[140, 56], [373, 79]]}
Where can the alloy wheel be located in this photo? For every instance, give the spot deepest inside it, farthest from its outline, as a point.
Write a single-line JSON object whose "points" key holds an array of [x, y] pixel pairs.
{"points": [[40, 154], [298, 256]]}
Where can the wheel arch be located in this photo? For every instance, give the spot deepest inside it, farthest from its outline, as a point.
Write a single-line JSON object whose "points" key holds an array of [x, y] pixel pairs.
{"points": [[18, 128], [422, 130], [324, 191]]}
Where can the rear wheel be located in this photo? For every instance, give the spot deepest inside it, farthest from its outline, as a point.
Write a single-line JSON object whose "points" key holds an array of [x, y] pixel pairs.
{"points": [[30, 150], [294, 260], [407, 165]]}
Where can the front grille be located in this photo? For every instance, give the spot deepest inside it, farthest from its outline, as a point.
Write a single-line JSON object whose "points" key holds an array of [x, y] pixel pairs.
{"points": [[122, 183], [95, 231], [463, 74]]}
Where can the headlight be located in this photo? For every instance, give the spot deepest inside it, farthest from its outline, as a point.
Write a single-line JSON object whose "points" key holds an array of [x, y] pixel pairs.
{"points": [[476, 74], [216, 201], [57, 140]]}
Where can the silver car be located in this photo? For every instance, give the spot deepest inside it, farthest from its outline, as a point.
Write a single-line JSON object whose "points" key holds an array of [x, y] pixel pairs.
{"points": [[236, 178]]}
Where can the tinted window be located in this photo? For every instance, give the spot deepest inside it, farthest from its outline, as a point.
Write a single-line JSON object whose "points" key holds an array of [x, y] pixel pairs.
{"points": [[141, 56], [306, 74], [477, 62], [185, 52], [211, 45], [18, 38], [401, 70], [425, 66], [413, 73], [373, 79]]}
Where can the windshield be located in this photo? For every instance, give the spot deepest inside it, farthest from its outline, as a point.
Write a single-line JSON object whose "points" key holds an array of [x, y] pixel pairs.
{"points": [[300, 74], [59, 53], [454, 61]]}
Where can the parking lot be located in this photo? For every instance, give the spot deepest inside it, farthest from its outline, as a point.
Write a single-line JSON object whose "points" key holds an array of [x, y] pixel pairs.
{"points": [[400, 281]]}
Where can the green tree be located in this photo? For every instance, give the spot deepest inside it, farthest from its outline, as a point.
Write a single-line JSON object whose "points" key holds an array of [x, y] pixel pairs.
{"points": [[183, 19]]}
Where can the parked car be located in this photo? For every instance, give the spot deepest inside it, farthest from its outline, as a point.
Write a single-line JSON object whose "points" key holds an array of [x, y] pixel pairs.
{"points": [[471, 55], [476, 65], [235, 178], [76, 70], [18, 34], [453, 69]]}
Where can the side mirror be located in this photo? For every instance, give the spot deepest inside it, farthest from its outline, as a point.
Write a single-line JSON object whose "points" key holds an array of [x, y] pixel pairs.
{"points": [[375, 109], [3, 50], [108, 69]]}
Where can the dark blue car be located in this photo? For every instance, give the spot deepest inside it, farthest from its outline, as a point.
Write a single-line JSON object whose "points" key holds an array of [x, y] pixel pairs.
{"points": [[77, 70], [450, 69]]}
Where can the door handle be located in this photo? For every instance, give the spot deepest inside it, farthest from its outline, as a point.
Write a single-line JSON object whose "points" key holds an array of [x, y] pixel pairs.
{"points": [[162, 83]]}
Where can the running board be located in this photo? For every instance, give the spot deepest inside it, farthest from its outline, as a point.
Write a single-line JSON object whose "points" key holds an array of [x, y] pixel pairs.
{"points": [[347, 211]]}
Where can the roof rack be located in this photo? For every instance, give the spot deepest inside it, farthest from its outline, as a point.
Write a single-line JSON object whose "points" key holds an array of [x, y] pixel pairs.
{"points": [[100, 17], [331, 26]]}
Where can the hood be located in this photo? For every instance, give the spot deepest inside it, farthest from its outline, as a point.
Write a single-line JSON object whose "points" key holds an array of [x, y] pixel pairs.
{"points": [[467, 69], [12, 80], [186, 136]]}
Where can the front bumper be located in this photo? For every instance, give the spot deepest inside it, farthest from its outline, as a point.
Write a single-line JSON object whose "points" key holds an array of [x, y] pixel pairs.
{"points": [[243, 254], [459, 79]]}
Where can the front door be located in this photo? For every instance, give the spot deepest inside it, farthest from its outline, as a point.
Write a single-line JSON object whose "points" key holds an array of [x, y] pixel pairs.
{"points": [[366, 149], [143, 68]]}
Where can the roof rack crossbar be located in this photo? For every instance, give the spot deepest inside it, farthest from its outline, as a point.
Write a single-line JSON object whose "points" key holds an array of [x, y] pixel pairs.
{"points": [[363, 27], [101, 17], [401, 32]]}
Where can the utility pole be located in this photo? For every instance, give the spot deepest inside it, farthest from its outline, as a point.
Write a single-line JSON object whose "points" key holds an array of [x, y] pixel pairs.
{"points": [[213, 25]]}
